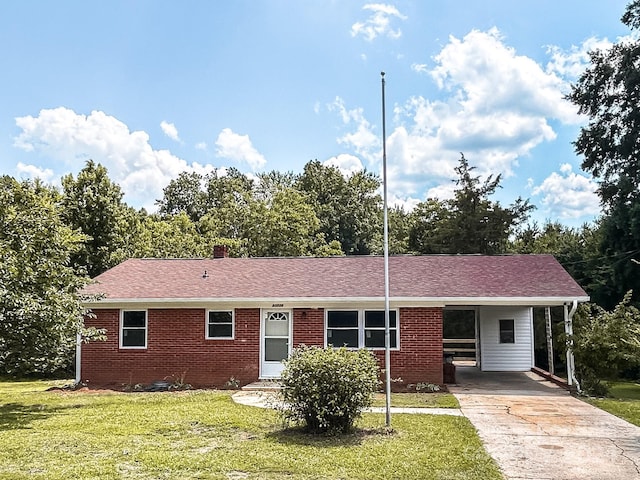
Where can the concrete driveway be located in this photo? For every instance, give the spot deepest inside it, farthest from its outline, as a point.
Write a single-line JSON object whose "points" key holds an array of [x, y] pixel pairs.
{"points": [[536, 430]]}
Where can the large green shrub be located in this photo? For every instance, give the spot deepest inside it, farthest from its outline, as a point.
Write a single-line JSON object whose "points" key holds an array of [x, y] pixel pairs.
{"points": [[605, 343], [327, 389]]}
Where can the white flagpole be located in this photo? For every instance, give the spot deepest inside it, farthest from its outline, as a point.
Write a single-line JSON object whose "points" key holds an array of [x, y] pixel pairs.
{"points": [[387, 335]]}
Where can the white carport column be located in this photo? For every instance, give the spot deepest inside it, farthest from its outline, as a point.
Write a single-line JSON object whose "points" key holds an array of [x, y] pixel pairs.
{"points": [[568, 329], [549, 331]]}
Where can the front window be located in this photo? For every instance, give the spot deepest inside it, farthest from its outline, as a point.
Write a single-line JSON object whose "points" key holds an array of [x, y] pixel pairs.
{"points": [[374, 329], [360, 328], [342, 328], [133, 329], [220, 324]]}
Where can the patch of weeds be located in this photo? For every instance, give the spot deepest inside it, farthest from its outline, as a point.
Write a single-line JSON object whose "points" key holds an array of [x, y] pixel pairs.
{"points": [[424, 387], [232, 384], [178, 382]]}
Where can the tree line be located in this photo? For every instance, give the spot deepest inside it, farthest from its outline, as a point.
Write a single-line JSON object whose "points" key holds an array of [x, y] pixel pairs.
{"points": [[53, 241]]}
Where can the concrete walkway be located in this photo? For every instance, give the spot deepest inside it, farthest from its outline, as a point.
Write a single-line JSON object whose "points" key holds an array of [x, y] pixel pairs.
{"points": [[270, 400], [536, 430]]}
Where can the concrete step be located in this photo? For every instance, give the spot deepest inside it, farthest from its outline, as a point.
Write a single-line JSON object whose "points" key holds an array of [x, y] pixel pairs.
{"points": [[263, 386]]}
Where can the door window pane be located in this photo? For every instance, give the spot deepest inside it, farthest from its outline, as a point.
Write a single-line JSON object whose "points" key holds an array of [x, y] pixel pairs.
{"points": [[277, 324], [276, 349]]}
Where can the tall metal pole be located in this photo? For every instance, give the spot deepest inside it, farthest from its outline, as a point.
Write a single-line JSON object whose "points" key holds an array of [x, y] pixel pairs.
{"points": [[387, 335]]}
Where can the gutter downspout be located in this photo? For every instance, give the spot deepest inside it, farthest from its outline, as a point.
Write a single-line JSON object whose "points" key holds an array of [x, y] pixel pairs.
{"points": [[568, 329], [78, 358]]}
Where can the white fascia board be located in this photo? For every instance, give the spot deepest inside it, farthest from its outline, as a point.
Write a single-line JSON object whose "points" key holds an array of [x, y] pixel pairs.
{"points": [[329, 302]]}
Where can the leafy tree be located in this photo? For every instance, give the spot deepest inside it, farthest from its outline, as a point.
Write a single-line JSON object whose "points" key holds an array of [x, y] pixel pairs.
{"points": [[577, 249], [399, 226], [468, 223], [605, 343], [349, 209], [429, 227], [269, 183], [608, 92], [327, 389], [198, 195], [40, 312], [283, 225], [229, 201], [152, 236], [92, 203], [184, 194]]}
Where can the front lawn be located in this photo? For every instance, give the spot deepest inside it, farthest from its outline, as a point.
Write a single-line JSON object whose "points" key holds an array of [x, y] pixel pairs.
{"points": [[624, 401], [203, 434]]}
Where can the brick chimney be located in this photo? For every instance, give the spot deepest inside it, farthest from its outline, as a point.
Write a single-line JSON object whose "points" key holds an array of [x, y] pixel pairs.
{"points": [[220, 251]]}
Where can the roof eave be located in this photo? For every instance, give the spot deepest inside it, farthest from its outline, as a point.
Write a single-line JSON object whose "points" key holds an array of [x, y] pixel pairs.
{"points": [[328, 302]]}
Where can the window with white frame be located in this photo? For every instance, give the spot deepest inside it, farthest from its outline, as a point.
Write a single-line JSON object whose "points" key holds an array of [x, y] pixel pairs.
{"points": [[360, 328], [133, 329], [507, 331], [219, 324], [343, 328], [374, 329]]}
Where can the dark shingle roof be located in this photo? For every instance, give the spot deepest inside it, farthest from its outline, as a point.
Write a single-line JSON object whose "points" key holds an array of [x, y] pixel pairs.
{"points": [[420, 277]]}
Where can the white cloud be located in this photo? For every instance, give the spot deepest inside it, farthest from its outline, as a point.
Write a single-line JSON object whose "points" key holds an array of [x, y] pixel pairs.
{"points": [[378, 23], [201, 146], [239, 148], [362, 139], [494, 105], [405, 203], [567, 195], [572, 63], [170, 130], [489, 78], [346, 163], [33, 172], [71, 139], [419, 67]]}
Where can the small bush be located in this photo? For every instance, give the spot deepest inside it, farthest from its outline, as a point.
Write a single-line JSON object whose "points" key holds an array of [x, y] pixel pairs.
{"points": [[327, 389]]}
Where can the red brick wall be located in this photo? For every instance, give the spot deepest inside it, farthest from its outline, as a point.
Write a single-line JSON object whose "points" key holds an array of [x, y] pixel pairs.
{"points": [[420, 356], [308, 327], [176, 345]]}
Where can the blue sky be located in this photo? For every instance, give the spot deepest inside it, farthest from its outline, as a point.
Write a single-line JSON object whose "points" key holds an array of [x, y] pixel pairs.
{"points": [[153, 88]]}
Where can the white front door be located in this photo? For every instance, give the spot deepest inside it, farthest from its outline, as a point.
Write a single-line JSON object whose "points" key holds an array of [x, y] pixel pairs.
{"points": [[275, 332]]}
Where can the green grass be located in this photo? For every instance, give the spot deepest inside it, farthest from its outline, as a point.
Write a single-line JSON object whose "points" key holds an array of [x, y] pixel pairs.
{"points": [[424, 400], [203, 434], [624, 401]]}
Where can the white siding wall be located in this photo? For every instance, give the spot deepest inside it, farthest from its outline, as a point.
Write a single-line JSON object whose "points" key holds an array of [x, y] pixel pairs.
{"points": [[504, 357]]}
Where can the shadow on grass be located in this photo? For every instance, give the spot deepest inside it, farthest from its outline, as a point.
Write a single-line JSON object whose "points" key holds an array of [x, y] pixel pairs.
{"points": [[14, 416], [299, 436]]}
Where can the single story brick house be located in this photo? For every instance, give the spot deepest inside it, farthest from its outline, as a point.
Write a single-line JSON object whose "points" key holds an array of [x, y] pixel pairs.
{"points": [[210, 320]]}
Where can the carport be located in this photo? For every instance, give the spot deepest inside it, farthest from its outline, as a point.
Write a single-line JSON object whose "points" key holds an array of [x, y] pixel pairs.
{"points": [[501, 338], [537, 430], [472, 380]]}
